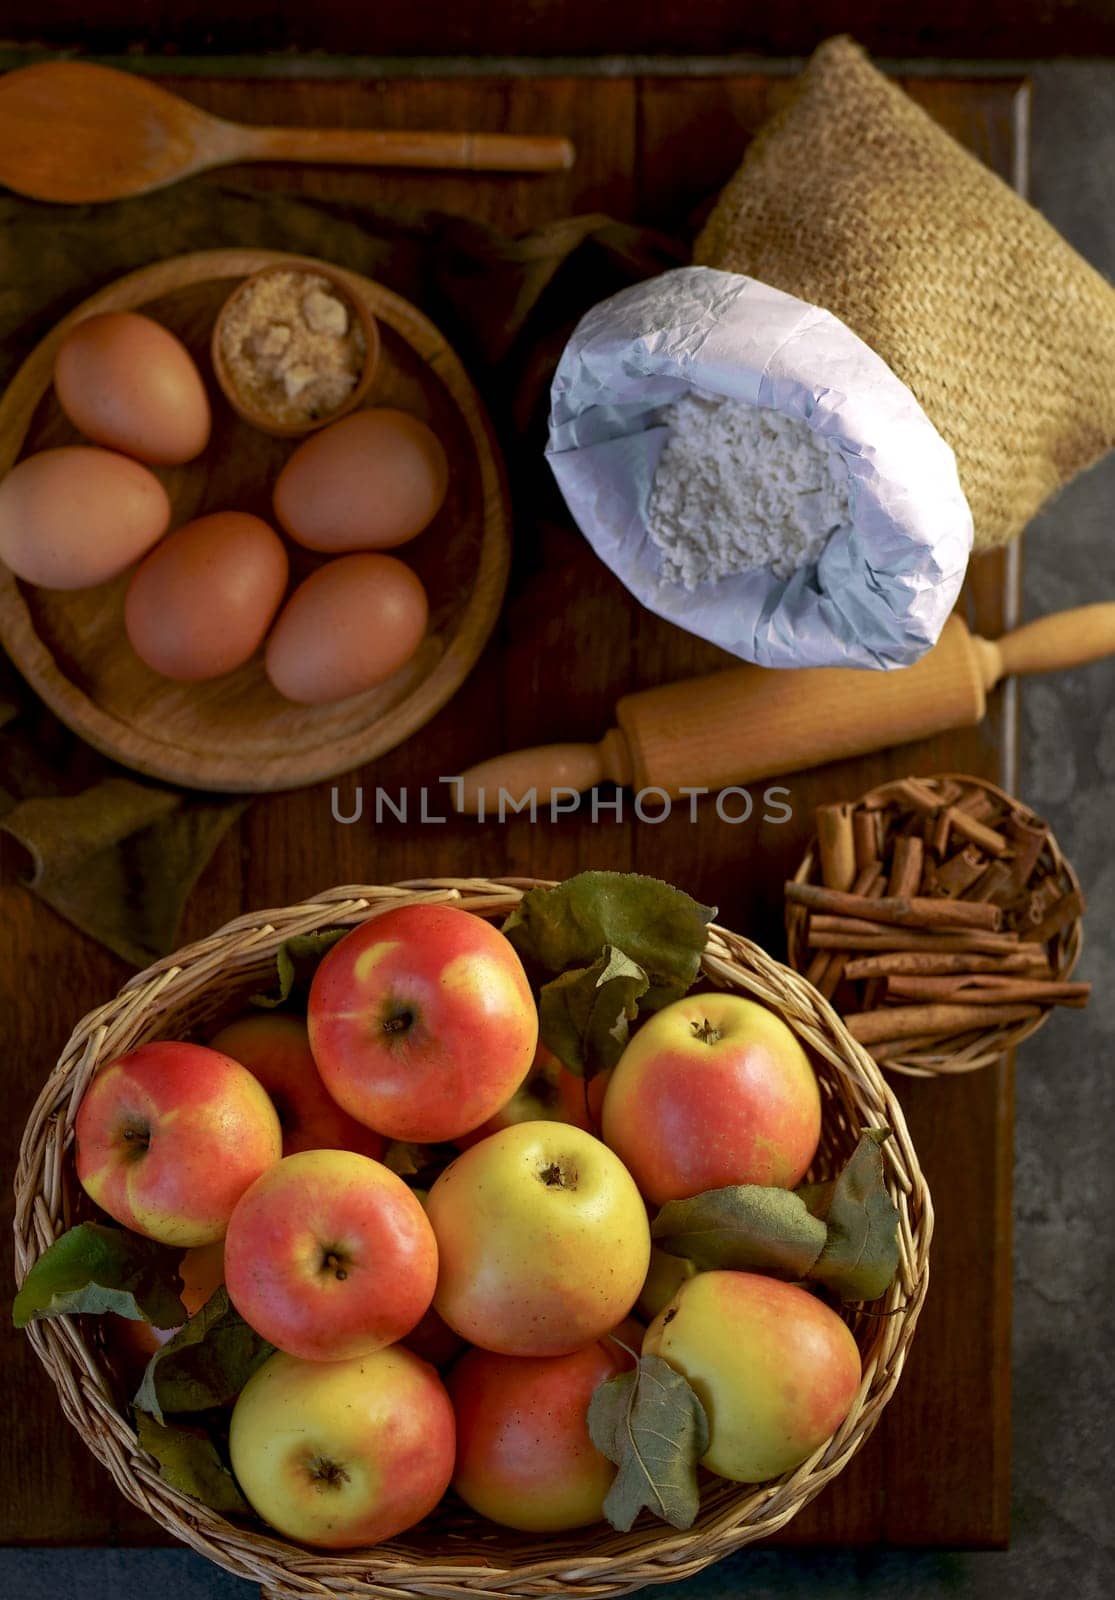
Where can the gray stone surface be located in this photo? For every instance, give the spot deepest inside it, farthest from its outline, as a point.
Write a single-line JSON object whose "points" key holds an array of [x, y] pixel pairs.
{"points": [[1064, 1199]]}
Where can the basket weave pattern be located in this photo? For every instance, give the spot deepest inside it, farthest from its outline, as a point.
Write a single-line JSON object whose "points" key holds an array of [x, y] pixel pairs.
{"points": [[965, 1052], [853, 198], [454, 1554]]}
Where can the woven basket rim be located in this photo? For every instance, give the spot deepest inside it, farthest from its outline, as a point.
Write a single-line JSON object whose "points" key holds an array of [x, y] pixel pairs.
{"points": [[572, 1564], [994, 1043]]}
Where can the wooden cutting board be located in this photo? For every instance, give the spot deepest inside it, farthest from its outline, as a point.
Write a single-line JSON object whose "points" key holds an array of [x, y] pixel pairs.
{"points": [[650, 149]]}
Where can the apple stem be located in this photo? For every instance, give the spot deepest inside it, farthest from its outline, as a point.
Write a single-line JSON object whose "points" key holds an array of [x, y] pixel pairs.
{"points": [[706, 1032]]}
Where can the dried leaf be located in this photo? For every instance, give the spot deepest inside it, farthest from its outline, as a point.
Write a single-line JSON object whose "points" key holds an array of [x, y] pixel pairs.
{"points": [[744, 1228], [860, 1257], [659, 928], [190, 1462], [296, 961], [652, 1425], [206, 1364], [585, 1014], [94, 1269]]}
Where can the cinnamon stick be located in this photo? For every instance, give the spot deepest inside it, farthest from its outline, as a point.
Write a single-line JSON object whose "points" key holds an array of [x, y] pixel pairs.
{"points": [[940, 840], [836, 845], [890, 939], [991, 883], [989, 990], [906, 867], [1065, 911], [1029, 840], [869, 882], [977, 803], [1038, 903], [960, 871], [900, 1022], [928, 963], [989, 839], [911, 911], [865, 833]]}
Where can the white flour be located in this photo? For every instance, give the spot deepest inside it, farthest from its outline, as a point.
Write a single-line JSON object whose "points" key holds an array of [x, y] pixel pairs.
{"points": [[738, 487]]}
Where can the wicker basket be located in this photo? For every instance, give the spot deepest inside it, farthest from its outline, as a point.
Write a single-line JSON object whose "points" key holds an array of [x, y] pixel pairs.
{"points": [[453, 1554], [968, 1052]]}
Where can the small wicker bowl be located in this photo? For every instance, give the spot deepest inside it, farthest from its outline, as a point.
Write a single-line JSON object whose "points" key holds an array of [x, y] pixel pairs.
{"points": [[967, 1052], [243, 404], [453, 1554]]}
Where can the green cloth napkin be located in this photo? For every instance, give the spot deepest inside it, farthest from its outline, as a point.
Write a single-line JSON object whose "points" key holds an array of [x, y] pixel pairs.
{"points": [[115, 855]]}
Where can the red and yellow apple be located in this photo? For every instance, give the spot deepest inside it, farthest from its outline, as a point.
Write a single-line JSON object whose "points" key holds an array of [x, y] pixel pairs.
{"points": [[775, 1369], [524, 1456], [329, 1256], [275, 1048], [713, 1090], [548, 1093], [422, 1022], [169, 1136], [543, 1240], [344, 1453]]}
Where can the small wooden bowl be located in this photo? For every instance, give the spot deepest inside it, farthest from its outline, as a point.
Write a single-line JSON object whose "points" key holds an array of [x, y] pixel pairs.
{"points": [[258, 416], [453, 1554], [971, 1051], [236, 733]]}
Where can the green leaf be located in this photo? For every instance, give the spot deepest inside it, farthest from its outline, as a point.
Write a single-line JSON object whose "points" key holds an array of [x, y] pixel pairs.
{"points": [[206, 1364], [296, 962], [652, 1425], [659, 928], [744, 1228], [94, 1269], [190, 1462], [584, 1015], [860, 1257]]}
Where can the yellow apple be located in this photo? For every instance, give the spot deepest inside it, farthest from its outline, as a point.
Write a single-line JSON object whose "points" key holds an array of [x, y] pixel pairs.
{"points": [[775, 1369], [713, 1090], [543, 1240], [343, 1453]]}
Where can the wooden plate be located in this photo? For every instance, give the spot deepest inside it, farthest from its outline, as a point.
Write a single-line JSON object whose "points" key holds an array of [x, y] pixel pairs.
{"points": [[236, 732]]}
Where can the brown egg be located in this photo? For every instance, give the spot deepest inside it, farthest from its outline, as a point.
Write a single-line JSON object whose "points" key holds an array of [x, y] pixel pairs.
{"points": [[200, 605], [369, 482], [75, 517], [127, 382], [348, 627]]}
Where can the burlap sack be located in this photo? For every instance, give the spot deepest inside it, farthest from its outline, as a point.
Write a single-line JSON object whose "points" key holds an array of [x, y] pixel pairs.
{"points": [[854, 199]]}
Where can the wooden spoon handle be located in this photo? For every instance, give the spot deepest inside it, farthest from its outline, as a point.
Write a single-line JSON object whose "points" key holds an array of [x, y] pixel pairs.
{"points": [[368, 147]]}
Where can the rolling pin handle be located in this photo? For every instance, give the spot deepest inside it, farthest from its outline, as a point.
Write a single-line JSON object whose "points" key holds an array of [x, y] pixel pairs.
{"points": [[547, 769], [1051, 644]]}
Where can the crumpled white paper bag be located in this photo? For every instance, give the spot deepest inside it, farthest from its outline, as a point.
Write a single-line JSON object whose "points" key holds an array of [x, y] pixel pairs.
{"points": [[883, 587]]}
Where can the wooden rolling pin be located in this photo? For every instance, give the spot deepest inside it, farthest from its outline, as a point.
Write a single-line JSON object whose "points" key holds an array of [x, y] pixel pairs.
{"points": [[756, 722]]}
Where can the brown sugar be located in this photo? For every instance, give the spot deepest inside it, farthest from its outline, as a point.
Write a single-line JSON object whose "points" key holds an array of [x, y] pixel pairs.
{"points": [[293, 346]]}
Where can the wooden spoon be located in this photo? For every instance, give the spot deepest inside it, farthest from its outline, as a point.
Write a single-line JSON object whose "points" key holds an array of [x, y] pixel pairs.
{"points": [[74, 132]]}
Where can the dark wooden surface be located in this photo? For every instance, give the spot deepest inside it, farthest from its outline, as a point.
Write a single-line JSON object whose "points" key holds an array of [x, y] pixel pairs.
{"points": [[570, 642], [1011, 29]]}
